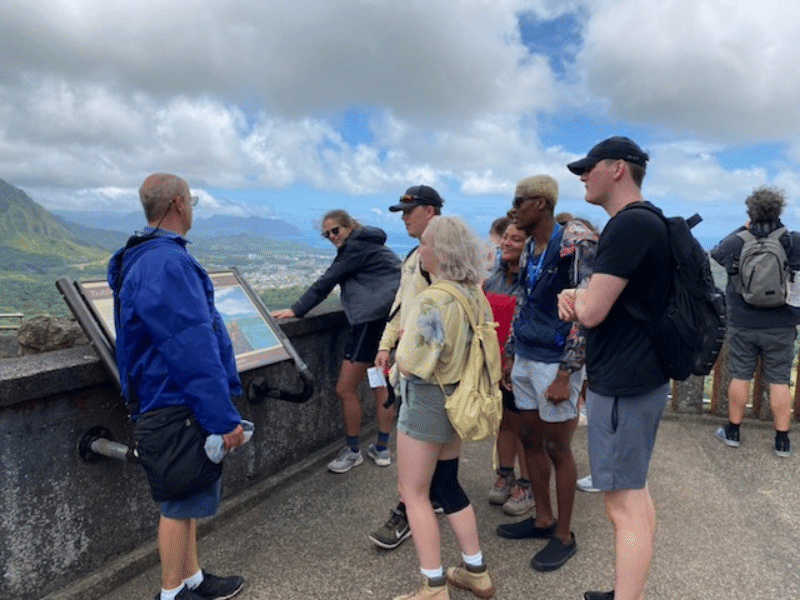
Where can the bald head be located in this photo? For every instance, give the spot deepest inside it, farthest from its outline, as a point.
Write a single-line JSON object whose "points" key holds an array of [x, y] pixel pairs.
{"points": [[158, 191]]}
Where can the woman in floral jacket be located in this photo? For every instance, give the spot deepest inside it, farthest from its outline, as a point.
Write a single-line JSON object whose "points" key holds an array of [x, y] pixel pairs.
{"points": [[432, 351]]}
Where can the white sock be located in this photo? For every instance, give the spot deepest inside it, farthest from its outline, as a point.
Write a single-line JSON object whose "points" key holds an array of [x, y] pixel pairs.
{"points": [[432, 573], [476, 560], [195, 580], [170, 594]]}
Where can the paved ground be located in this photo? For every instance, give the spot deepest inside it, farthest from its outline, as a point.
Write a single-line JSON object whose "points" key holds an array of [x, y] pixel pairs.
{"points": [[728, 529]]}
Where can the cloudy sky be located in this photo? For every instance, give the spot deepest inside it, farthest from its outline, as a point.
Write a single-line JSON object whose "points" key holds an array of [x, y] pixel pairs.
{"points": [[285, 108]]}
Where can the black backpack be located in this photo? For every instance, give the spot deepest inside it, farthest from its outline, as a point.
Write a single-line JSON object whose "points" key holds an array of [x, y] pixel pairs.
{"points": [[689, 330]]}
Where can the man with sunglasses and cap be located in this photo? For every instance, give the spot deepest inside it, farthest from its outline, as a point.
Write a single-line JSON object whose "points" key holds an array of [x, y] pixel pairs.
{"points": [[627, 382], [418, 205]]}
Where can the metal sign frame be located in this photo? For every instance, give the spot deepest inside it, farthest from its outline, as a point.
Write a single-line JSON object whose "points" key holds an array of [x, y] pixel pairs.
{"points": [[257, 338]]}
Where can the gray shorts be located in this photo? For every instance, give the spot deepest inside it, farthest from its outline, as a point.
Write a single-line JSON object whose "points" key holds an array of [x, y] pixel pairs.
{"points": [[531, 379], [422, 414], [200, 504], [775, 346], [621, 434]]}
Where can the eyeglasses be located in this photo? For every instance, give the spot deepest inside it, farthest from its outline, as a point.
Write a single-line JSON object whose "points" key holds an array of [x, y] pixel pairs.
{"points": [[329, 232], [192, 200], [520, 200]]}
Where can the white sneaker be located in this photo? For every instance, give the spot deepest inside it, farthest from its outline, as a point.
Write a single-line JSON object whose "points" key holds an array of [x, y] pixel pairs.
{"points": [[382, 458], [345, 460], [584, 484]]}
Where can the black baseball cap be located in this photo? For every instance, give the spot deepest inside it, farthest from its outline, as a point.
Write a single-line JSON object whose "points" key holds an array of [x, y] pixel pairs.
{"points": [[615, 148], [418, 195]]}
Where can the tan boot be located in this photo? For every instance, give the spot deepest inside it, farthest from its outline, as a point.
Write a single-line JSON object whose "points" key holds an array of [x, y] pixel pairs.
{"points": [[432, 589], [474, 579]]}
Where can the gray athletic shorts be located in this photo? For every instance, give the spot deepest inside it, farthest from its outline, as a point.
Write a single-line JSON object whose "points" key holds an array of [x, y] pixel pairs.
{"points": [[531, 379], [775, 345], [422, 414], [621, 434]]}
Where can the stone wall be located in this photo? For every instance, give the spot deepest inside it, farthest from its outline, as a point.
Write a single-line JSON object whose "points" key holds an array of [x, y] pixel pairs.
{"points": [[63, 518], [42, 333]]}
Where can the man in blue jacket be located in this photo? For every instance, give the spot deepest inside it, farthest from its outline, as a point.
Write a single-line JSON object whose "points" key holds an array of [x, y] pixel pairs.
{"points": [[172, 349], [545, 363]]}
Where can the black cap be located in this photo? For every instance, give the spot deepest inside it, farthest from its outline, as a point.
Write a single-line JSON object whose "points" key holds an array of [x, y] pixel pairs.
{"points": [[615, 148], [418, 195]]}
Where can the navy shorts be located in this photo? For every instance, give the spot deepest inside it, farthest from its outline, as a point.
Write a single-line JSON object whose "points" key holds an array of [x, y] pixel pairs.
{"points": [[361, 343], [201, 504], [775, 346], [621, 434]]}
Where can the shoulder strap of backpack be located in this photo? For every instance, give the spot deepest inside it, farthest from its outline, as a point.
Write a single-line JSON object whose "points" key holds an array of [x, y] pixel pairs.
{"points": [[450, 288], [635, 309]]}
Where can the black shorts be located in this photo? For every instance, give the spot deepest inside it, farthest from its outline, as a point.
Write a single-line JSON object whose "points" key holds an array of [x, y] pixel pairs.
{"points": [[361, 343]]}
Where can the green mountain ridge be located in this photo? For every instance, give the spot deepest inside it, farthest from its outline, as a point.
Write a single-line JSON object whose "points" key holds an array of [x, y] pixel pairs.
{"points": [[37, 248], [32, 240]]}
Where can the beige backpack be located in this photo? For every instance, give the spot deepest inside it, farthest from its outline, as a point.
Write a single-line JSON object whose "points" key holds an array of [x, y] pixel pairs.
{"points": [[475, 407]]}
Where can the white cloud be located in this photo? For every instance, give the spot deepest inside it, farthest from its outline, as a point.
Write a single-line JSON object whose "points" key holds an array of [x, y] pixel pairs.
{"points": [[247, 94], [724, 68]]}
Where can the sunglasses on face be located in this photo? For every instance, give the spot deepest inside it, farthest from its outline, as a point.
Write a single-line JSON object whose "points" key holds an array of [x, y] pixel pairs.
{"points": [[520, 200], [329, 232]]}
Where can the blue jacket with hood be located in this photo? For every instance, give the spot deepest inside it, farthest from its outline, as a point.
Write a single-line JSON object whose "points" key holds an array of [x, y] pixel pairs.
{"points": [[172, 347]]}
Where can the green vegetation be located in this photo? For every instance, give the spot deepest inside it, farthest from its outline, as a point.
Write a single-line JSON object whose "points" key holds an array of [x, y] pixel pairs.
{"points": [[277, 298]]}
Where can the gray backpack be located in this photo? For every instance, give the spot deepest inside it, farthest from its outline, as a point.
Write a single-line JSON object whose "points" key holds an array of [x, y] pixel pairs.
{"points": [[763, 269]]}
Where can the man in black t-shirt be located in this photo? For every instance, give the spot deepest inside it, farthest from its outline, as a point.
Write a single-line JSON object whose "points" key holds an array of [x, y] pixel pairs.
{"points": [[627, 385]]}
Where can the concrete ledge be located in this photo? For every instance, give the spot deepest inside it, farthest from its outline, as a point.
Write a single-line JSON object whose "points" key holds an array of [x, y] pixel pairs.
{"points": [[65, 519], [27, 378], [133, 563]]}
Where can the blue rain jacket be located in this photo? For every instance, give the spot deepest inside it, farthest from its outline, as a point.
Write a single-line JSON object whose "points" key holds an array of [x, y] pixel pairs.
{"points": [[172, 347]]}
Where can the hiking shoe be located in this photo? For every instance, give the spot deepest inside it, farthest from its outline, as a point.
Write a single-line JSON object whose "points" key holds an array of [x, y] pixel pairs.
{"points": [[501, 489], [599, 595], [473, 579], [393, 533], [218, 588], [727, 437], [520, 501], [345, 460], [584, 484], [432, 589], [382, 458], [525, 529], [554, 554], [782, 447]]}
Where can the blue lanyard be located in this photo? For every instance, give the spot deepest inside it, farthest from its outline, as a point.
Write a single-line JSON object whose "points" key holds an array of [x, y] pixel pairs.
{"points": [[532, 271]]}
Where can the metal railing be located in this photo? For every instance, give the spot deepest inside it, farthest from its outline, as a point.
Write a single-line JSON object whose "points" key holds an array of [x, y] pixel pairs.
{"points": [[10, 321]]}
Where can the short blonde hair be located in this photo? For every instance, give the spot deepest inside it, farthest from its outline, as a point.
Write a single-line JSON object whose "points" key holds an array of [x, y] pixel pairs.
{"points": [[540, 185], [458, 248]]}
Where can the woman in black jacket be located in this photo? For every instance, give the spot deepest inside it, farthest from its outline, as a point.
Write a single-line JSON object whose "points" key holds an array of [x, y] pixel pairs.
{"points": [[368, 273]]}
